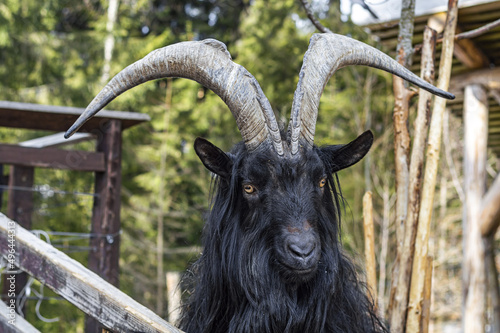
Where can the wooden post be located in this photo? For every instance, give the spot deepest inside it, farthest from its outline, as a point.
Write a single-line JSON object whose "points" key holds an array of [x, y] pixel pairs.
{"points": [[20, 205], [398, 316], [173, 296], [490, 210], [163, 202], [493, 296], [475, 146], [402, 97], [413, 321], [426, 304], [20, 208], [371, 271], [105, 239], [1, 183]]}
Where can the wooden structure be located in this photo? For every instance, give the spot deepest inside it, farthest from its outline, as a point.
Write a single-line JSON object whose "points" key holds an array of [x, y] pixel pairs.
{"points": [[86, 290], [20, 324], [106, 128], [475, 81], [475, 59]]}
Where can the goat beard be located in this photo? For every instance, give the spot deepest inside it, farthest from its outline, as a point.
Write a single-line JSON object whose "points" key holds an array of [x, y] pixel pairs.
{"points": [[236, 285], [248, 290]]}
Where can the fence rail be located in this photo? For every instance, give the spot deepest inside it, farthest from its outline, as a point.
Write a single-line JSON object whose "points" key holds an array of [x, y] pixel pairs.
{"points": [[80, 286], [20, 324]]}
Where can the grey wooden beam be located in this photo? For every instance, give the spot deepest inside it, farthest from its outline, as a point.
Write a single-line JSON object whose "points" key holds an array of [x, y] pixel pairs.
{"points": [[52, 158], [56, 140], [60, 118], [81, 287], [13, 322]]}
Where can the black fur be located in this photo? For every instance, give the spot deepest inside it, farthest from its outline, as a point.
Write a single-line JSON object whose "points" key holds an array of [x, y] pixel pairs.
{"points": [[248, 279]]}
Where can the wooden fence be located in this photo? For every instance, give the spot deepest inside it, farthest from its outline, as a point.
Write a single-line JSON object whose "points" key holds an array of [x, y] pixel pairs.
{"points": [[77, 284]]}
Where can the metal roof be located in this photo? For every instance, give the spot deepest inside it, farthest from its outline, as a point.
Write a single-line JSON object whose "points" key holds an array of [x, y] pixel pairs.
{"points": [[390, 10]]}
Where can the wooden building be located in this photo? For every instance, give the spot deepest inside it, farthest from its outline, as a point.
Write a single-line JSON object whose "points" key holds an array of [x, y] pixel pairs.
{"points": [[475, 80]]}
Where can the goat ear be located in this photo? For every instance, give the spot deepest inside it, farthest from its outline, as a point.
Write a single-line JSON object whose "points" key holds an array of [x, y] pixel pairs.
{"points": [[213, 158], [339, 157]]}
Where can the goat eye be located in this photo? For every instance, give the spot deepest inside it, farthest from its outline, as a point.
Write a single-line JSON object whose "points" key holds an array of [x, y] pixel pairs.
{"points": [[249, 188], [322, 182]]}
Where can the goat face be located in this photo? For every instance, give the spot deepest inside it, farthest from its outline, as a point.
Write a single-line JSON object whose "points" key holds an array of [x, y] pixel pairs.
{"points": [[285, 202]]}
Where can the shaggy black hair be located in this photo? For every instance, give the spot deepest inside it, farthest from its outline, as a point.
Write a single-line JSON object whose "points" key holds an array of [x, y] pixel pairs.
{"points": [[240, 284]]}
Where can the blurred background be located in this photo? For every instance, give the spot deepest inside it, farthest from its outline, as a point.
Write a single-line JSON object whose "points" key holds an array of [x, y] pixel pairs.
{"points": [[62, 52]]}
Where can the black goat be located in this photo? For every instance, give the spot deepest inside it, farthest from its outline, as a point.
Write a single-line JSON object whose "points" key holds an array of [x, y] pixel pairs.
{"points": [[272, 260]]}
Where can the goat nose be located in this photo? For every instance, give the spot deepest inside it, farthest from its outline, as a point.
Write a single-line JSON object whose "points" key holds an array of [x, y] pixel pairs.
{"points": [[301, 249]]}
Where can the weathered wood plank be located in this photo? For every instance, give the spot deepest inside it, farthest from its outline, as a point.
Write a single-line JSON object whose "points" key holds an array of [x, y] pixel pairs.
{"points": [[83, 288], [60, 118], [52, 158], [13, 322]]}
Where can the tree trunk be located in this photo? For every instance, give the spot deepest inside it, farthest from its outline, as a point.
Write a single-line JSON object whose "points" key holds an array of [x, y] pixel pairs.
{"points": [[383, 249], [474, 269], [429, 185], [490, 210], [367, 91], [370, 263], [109, 41], [398, 317], [163, 204], [493, 287], [426, 304], [173, 296], [402, 98]]}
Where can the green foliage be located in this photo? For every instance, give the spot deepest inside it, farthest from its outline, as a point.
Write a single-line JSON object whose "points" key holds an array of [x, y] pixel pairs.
{"points": [[271, 48], [52, 53]]}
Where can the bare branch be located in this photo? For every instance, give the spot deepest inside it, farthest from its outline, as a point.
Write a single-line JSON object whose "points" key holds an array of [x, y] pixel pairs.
{"points": [[468, 34], [313, 18], [479, 31]]}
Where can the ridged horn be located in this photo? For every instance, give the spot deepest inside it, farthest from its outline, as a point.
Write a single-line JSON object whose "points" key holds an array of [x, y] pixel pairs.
{"points": [[209, 63], [327, 53]]}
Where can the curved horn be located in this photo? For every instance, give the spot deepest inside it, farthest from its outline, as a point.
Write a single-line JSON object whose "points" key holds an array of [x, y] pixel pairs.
{"points": [[209, 63], [328, 52]]}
